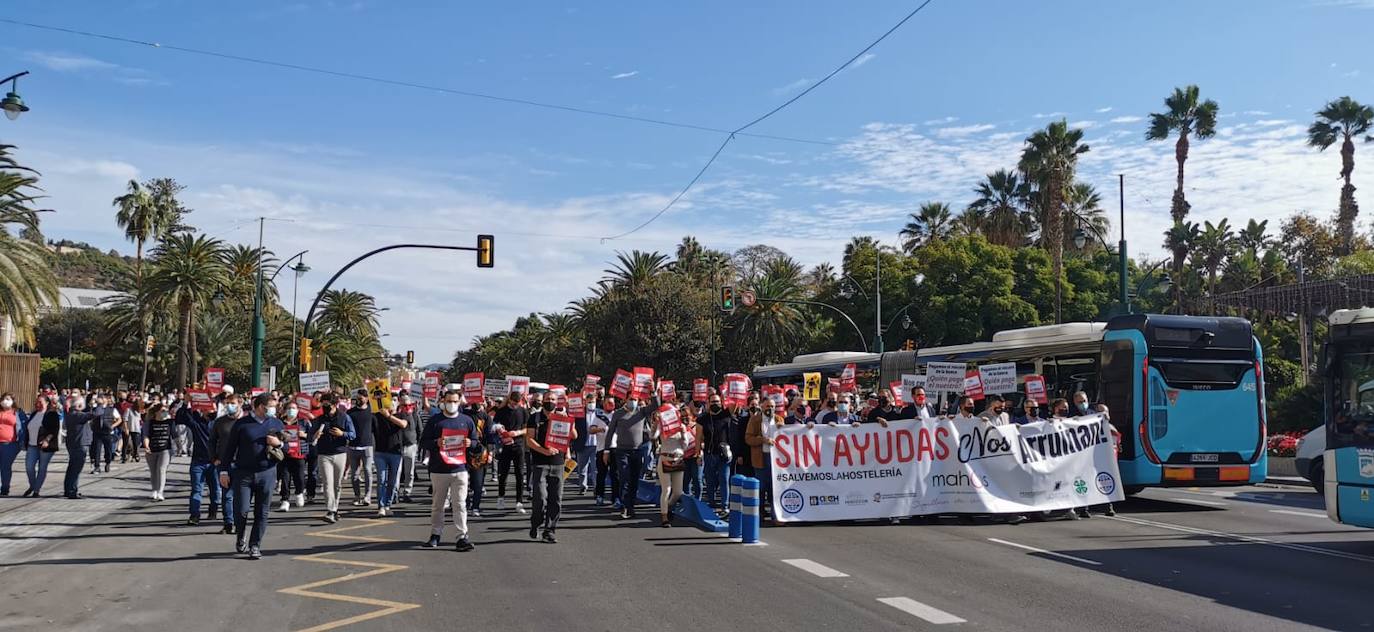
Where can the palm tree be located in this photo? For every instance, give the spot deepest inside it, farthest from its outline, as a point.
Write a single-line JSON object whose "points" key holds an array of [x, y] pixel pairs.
{"points": [[242, 262], [1001, 208], [1189, 117], [148, 213], [634, 270], [349, 313], [772, 329], [820, 276], [857, 245], [1178, 240], [1343, 119], [1215, 244], [929, 223], [1083, 211], [187, 269], [26, 279], [1252, 238], [1050, 160]]}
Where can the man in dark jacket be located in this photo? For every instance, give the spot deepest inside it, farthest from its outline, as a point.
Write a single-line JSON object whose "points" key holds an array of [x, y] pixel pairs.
{"points": [[361, 449], [79, 436], [715, 439], [219, 444], [253, 471], [332, 431], [203, 476]]}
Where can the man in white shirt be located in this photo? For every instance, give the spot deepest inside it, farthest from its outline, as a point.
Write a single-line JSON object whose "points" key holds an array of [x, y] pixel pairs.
{"points": [[995, 414]]}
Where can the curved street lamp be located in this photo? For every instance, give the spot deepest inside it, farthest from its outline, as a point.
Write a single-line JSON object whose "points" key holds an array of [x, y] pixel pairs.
{"points": [[12, 104]]}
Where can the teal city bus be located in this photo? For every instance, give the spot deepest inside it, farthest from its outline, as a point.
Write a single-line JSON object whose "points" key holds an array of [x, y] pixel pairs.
{"points": [[1348, 365]]}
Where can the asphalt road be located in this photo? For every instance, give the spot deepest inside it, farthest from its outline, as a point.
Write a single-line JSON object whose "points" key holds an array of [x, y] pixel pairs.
{"points": [[1251, 558]]}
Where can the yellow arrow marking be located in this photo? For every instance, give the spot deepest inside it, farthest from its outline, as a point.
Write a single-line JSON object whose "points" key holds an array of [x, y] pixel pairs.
{"points": [[387, 608]]}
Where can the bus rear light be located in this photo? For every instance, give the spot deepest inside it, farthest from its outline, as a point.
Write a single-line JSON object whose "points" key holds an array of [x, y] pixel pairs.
{"points": [[1179, 474], [1235, 473]]}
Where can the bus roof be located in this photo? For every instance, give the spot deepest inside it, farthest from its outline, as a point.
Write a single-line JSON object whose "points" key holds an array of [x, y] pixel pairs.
{"points": [[1363, 315], [1065, 339], [814, 361]]}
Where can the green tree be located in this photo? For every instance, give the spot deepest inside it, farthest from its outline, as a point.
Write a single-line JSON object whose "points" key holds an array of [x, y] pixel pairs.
{"points": [[1083, 211], [1178, 240], [1000, 208], [928, 224], [769, 331], [187, 270], [1252, 238], [1309, 242], [967, 292], [26, 280], [1050, 160], [1343, 120], [1188, 115], [1215, 244], [632, 271]]}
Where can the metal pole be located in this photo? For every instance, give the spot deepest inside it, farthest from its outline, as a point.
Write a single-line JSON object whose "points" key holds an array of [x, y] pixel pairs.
{"points": [[825, 305], [1303, 351], [1122, 294], [259, 328], [295, 282], [878, 291]]}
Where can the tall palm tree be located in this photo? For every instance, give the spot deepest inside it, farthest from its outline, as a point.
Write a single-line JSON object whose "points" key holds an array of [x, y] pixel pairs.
{"points": [[1083, 211], [631, 271], [1215, 244], [1343, 119], [350, 313], [1189, 116], [1001, 208], [148, 213], [820, 276], [1252, 238], [771, 329], [931, 222], [855, 246], [26, 278], [1178, 240], [242, 261], [187, 270], [1050, 160]]}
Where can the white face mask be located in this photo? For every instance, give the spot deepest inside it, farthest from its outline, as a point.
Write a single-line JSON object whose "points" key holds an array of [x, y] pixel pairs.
{"points": [[291, 413], [6, 403], [271, 411], [232, 409], [451, 407]]}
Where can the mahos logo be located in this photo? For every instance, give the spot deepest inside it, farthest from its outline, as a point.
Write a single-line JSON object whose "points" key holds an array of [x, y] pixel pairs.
{"points": [[792, 501], [1106, 483]]}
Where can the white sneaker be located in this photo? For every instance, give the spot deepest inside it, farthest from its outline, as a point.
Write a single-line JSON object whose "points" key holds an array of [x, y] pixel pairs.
{"points": [[501, 503], [154, 496], [381, 512], [447, 505], [285, 506], [520, 508], [300, 500]]}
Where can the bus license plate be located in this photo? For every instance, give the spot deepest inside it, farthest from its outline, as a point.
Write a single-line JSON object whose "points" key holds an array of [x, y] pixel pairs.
{"points": [[1205, 458]]}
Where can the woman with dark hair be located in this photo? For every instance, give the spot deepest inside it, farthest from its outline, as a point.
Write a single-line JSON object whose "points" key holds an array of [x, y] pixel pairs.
{"points": [[159, 432], [39, 437], [11, 421]]}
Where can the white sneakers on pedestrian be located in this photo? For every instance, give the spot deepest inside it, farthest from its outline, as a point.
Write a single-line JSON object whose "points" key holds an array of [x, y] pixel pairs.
{"points": [[520, 508], [299, 499], [285, 506], [383, 512]]}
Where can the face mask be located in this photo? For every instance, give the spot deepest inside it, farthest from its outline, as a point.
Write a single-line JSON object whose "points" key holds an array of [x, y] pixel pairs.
{"points": [[271, 411], [6, 403], [164, 416], [715, 408], [291, 413], [632, 406], [1083, 408], [920, 400], [843, 408], [967, 409], [451, 408], [232, 409], [548, 407]]}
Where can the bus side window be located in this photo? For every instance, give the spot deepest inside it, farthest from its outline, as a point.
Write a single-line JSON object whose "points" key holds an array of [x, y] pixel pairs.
{"points": [[1117, 388]]}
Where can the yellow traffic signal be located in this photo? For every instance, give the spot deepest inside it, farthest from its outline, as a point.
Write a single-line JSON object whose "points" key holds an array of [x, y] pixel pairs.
{"points": [[410, 357], [305, 353], [486, 247], [148, 347]]}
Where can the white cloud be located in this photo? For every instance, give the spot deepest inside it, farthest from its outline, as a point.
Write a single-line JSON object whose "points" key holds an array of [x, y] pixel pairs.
{"points": [[1103, 110], [625, 75], [942, 121], [1255, 113], [963, 130], [1050, 115], [1128, 119], [1082, 124], [67, 62], [1271, 122], [863, 59], [792, 87]]}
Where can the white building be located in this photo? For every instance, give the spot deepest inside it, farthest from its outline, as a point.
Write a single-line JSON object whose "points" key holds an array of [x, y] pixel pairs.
{"points": [[68, 298]]}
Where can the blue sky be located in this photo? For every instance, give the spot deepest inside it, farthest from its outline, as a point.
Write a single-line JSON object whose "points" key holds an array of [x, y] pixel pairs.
{"points": [[354, 164]]}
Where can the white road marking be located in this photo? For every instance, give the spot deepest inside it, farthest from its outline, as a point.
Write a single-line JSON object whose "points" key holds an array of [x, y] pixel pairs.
{"points": [[916, 608], [1196, 501], [1044, 552], [1248, 538], [1309, 514], [819, 570]]}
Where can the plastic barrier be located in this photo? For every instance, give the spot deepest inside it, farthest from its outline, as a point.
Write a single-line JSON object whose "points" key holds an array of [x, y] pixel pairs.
{"points": [[749, 501], [689, 508], [736, 524]]}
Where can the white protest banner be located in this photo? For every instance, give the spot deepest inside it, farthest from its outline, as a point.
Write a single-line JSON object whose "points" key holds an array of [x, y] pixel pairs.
{"points": [[417, 390], [496, 389], [998, 378], [936, 466], [315, 382], [942, 377]]}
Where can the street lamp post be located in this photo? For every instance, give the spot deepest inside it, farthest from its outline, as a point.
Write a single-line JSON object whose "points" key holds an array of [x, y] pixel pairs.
{"points": [[12, 104], [259, 327], [300, 269]]}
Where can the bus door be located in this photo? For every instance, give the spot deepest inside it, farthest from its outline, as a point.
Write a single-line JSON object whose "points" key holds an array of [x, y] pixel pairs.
{"points": [[1350, 439]]}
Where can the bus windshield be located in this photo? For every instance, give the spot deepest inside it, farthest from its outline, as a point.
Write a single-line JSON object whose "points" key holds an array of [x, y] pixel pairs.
{"points": [[1354, 397], [1203, 375]]}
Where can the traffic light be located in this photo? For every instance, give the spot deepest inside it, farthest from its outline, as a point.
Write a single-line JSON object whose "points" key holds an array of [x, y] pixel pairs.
{"points": [[727, 299], [909, 345], [305, 353], [410, 357], [148, 347], [486, 246]]}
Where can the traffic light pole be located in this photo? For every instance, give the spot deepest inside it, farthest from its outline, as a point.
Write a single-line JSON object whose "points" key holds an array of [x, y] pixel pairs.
{"points": [[310, 316], [825, 305]]}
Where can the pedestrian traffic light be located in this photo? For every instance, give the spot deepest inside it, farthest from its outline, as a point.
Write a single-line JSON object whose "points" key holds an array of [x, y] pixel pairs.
{"points": [[486, 245], [410, 357], [148, 347], [305, 353], [727, 298]]}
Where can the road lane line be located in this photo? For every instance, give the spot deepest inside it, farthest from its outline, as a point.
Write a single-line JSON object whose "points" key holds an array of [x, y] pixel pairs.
{"points": [[819, 570], [1196, 501], [1247, 538], [1044, 552], [1309, 514], [918, 609]]}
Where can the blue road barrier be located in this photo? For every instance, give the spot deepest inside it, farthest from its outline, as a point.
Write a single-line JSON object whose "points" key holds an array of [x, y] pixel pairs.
{"points": [[749, 505], [689, 508]]}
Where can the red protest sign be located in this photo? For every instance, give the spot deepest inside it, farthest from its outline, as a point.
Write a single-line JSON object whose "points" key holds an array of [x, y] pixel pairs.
{"points": [[773, 393], [973, 384], [303, 401], [432, 384], [669, 423], [591, 381], [256, 391], [848, 378], [643, 382], [452, 448], [736, 389], [518, 384], [1035, 388], [833, 385], [201, 400], [667, 391], [577, 406], [559, 434], [214, 378], [621, 383], [472, 387], [896, 388], [700, 389]]}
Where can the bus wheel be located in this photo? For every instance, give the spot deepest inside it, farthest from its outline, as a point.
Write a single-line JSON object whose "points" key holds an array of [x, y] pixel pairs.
{"points": [[1132, 490]]}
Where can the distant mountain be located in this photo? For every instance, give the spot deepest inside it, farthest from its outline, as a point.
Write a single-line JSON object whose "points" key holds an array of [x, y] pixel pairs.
{"points": [[81, 265]]}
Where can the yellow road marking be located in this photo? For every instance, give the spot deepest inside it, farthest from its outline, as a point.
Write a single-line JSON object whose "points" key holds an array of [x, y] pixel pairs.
{"points": [[387, 608]]}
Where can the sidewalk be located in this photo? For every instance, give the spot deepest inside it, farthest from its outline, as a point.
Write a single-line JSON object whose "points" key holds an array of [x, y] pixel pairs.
{"points": [[30, 527]]}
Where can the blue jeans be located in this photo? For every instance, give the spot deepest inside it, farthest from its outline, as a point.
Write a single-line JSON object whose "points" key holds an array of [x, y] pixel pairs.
{"points": [[36, 466], [203, 478], [717, 481], [628, 463], [477, 480], [8, 453], [586, 466], [76, 460], [646, 457], [227, 495], [388, 477], [691, 477], [102, 446], [253, 489]]}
